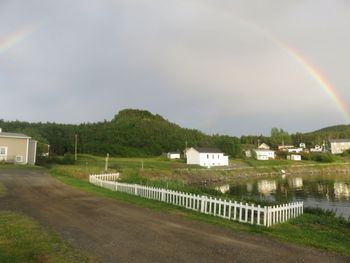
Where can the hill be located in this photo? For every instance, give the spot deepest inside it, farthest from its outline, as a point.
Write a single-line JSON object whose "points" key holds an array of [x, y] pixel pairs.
{"points": [[130, 133]]}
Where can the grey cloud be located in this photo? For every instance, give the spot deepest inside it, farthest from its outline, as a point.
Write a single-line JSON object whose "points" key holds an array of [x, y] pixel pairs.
{"points": [[202, 64]]}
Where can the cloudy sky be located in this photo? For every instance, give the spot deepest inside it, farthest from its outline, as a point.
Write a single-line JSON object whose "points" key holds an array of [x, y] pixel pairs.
{"points": [[221, 66]]}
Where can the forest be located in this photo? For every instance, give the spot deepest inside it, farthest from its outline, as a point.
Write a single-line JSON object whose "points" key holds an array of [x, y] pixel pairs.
{"points": [[136, 133]]}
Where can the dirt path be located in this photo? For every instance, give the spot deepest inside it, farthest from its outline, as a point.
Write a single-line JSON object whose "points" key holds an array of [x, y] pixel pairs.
{"points": [[120, 232]]}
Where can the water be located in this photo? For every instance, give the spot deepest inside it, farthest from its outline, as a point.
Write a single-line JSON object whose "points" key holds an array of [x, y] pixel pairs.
{"points": [[324, 191]]}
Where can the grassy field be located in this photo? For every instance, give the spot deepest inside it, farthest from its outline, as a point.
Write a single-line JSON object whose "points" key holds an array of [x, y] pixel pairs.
{"points": [[315, 228], [24, 240]]}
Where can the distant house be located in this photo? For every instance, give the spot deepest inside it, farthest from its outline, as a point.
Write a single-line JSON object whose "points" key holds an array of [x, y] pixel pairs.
{"points": [[339, 145], [263, 155], [206, 157], [173, 155], [294, 157], [295, 150], [302, 145], [17, 148], [264, 146], [317, 149], [285, 147]]}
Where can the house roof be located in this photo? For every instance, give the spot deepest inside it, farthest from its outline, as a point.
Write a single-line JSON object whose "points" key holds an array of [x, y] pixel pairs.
{"points": [[207, 150], [173, 152], [13, 135], [339, 140], [264, 146]]}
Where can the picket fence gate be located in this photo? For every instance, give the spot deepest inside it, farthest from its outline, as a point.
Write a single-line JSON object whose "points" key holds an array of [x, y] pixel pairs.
{"points": [[232, 210]]}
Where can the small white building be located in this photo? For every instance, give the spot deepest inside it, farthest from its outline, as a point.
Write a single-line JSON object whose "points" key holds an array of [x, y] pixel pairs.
{"points": [[339, 146], [317, 149], [173, 155], [264, 146], [295, 150], [206, 157], [263, 155], [302, 145], [294, 157]]}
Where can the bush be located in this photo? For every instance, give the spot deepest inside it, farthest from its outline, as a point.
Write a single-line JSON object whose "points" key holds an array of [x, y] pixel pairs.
{"points": [[47, 161], [318, 157]]}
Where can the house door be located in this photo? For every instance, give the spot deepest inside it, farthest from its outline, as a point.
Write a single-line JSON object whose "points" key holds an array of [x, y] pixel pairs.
{"points": [[3, 153]]}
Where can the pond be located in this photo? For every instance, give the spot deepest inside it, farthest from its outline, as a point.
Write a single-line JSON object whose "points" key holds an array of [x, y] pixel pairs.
{"points": [[324, 191]]}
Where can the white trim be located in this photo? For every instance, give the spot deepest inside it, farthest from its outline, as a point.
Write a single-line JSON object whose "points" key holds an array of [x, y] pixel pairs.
{"points": [[12, 136], [27, 151], [36, 144]]}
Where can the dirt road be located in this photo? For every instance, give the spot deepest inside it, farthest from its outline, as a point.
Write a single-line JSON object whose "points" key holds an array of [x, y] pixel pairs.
{"points": [[119, 232]]}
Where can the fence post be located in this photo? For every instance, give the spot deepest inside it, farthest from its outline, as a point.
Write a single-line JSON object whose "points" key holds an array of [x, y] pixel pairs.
{"points": [[266, 212], [136, 189], [163, 195], [203, 204]]}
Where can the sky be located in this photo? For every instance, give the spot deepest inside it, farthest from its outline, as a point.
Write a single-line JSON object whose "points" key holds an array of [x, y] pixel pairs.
{"points": [[224, 66]]}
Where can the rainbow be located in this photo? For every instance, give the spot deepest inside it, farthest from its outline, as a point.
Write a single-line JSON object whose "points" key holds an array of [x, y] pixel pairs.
{"points": [[12, 39], [320, 78], [306, 65]]}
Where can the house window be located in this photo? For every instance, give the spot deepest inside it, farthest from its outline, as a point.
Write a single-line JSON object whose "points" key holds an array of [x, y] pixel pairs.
{"points": [[207, 156], [19, 158], [213, 156], [3, 150], [218, 156]]}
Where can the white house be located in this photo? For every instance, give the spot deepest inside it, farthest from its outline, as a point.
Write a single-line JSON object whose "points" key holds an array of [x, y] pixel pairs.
{"points": [[339, 145], [173, 155], [264, 146], [206, 157], [263, 155], [294, 157], [295, 150], [317, 148]]}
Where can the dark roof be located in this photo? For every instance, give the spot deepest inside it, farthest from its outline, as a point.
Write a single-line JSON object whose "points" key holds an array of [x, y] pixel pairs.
{"points": [[339, 140], [11, 134], [207, 150], [174, 152]]}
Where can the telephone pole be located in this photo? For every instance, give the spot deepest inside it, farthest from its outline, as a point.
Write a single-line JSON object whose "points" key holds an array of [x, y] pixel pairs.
{"points": [[76, 147]]}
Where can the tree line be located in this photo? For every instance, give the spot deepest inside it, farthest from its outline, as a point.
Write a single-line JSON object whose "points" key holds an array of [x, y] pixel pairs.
{"points": [[136, 133]]}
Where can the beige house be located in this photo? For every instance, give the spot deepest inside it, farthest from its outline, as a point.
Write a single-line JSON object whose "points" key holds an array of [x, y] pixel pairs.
{"points": [[339, 145], [17, 148]]}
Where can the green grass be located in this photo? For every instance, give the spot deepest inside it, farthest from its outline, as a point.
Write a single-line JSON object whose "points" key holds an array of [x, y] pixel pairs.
{"points": [[318, 230], [23, 240]]}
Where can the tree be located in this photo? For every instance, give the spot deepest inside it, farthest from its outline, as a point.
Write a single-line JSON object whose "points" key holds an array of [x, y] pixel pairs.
{"points": [[279, 137]]}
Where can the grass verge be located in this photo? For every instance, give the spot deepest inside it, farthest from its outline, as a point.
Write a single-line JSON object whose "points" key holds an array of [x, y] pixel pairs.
{"points": [[23, 240], [314, 229]]}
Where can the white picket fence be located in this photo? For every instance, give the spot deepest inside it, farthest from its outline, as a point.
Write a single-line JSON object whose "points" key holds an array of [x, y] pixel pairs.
{"points": [[232, 210]]}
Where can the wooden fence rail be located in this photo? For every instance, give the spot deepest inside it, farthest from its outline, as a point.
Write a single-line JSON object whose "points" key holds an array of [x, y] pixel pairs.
{"points": [[232, 210]]}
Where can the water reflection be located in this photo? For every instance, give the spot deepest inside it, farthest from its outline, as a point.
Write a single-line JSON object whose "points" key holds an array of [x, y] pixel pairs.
{"points": [[342, 191], [223, 189], [267, 187], [296, 182], [323, 191]]}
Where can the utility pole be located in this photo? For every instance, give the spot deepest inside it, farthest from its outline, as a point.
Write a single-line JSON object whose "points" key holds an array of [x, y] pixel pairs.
{"points": [[106, 163], [76, 147]]}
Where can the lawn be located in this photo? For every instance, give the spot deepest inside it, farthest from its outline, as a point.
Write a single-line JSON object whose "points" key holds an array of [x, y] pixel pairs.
{"points": [[23, 240]]}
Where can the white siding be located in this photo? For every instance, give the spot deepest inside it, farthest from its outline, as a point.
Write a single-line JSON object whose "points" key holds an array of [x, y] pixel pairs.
{"points": [[206, 159]]}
